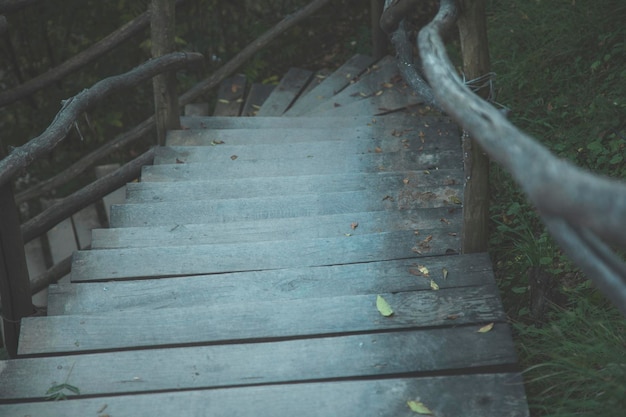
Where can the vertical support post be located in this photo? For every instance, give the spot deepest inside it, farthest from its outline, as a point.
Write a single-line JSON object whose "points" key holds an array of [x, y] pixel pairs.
{"points": [[162, 30], [379, 37], [14, 281], [472, 25]]}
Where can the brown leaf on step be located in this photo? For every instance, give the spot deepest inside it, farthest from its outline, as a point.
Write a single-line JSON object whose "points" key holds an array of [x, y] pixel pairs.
{"points": [[378, 149], [444, 220], [452, 316], [453, 234], [234, 88], [405, 181], [336, 105], [233, 157], [388, 197], [354, 225], [428, 238], [387, 85], [217, 142], [178, 161]]}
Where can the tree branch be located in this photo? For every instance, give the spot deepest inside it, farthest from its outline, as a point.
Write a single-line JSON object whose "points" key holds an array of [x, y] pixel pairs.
{"points": [[247, 52], [23, 156]]}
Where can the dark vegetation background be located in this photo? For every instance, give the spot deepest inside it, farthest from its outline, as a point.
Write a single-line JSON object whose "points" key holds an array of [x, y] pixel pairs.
{"points": [[561, 68]]}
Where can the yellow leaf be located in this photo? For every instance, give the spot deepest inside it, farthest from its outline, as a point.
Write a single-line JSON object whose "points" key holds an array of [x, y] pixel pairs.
{"points": [[379, 92], [456, 200], [419, 408], [423, 270], [485, 328], [405, 181], [383, 306], [434, 285], [445, 273], [224, 101]]}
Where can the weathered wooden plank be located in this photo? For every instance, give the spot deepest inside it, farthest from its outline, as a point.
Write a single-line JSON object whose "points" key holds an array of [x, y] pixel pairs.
{"points": [[152, 192], [434, 222], [287, 90], [230, 96], [478, 395], [384, 101], [216, 122], [428, 130], [197, 109], [256, 97], [319, 77], [284, 284], [328, 144], [333, 84], [84, 222], [231, 167], [303, 205], [379, 77], [115, 264], [116, 197], [268, 320]]}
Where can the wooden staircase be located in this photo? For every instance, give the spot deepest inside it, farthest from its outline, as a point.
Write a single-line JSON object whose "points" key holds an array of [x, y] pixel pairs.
{"points": [[242, 275]]}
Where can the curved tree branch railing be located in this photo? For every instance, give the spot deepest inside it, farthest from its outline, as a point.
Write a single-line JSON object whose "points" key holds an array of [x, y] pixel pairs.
{"points": [[72, 108], [580, 209]]}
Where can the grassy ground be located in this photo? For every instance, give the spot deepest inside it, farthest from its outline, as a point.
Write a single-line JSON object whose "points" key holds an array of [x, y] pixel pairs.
{"points": [[560, 66]]}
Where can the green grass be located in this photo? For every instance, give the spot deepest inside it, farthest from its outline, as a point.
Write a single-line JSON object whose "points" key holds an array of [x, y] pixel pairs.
{"points": [[560, 69]]}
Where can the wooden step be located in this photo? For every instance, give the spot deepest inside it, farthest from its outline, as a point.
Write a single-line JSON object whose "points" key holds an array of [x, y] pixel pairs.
{"points": [[303, 205], [425, 222], [286, 92], [323, 358], [230, 96], [113, 264], [232, 167], [332, 85], [271, 320], [477, 395], [256, 97], [284, 284], [216, 188]]}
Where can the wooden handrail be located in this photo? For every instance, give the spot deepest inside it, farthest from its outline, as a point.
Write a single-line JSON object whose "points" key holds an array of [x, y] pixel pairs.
{"points": [[581, 210], [23, 156]]}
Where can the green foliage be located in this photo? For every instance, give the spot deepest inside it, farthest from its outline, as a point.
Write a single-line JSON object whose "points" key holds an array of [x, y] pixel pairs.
{"points": [[575, 365], [560, 70]]}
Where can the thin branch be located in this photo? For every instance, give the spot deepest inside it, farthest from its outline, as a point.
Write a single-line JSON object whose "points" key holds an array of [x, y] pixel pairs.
{"points": [[251, 49], [72, 108], [93, 192], [85, 162], [77, 61]]}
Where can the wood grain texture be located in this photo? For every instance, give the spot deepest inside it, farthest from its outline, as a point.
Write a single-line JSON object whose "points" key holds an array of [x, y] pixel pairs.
{"points": [[114, 264], [303, 205], [256, 97], [332, 85], [428, 131], [220, 188], [285, 93], [334, 164], [284, 284], [230, 96], [478, 395], [266, 320], [309, 122], [323, 148], [368, 84], [436, 221]]}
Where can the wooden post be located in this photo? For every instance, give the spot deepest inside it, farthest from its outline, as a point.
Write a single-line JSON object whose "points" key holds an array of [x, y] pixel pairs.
{"points": [[14, 280], [379, 37], [475, 50], [162, 29]]}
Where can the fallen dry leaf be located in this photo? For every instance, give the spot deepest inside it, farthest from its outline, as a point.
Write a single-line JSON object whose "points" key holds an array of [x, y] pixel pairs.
{"points": [[485, 328], [233, 157], [433, 285], [217, 142], [223, 101], [383, 306], [354, 225], [405, 181], [419, 408], [444, 272], [378, 149]]}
